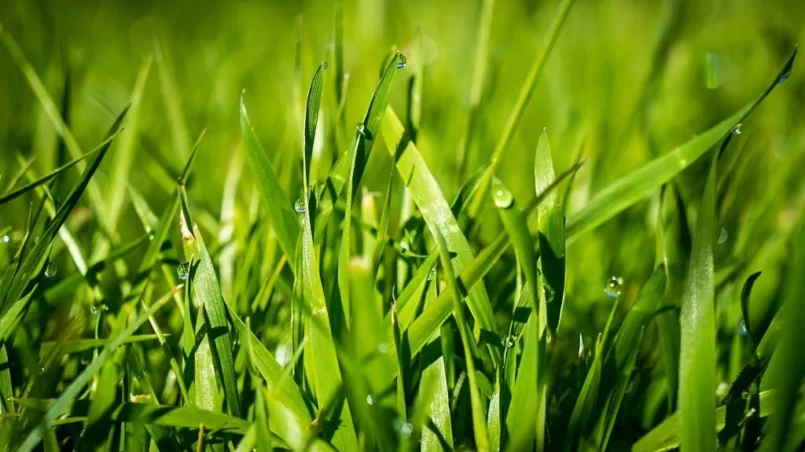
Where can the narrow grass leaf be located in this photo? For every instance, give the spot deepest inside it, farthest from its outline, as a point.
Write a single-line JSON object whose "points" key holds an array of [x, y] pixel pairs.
{"points": [[639, 184], [697, 372]]}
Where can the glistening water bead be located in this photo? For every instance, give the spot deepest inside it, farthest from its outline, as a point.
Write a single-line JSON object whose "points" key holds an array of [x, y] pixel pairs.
{"points": [[614, 287], [51, 270], [183, 271], [299, 206], [403, 61]]}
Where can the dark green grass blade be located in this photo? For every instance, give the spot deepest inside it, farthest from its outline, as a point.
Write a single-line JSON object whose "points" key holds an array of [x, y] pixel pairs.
{"points": [[68, 396], [280, 213], [666, 435], [697, 363], [639, 184], [437, 214]]}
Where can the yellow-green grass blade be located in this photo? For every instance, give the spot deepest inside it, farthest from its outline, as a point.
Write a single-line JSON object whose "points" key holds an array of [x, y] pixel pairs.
{"points": [[551, 223], [639, 184], [321, 365], [697, 362], [437, 214], [283, 220], [208, 291], [516, 115]]}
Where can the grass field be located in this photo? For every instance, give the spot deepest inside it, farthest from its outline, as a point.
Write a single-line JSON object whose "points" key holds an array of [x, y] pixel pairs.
{"points": [[436, 225]]}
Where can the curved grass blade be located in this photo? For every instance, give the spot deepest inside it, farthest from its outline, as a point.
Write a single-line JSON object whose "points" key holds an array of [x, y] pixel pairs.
{"points": [[746, 291], [697, 363], [313, 105], [639, 184]]}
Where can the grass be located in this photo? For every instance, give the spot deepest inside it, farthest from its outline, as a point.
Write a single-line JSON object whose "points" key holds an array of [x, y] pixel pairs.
{"points": [[368, 261]]}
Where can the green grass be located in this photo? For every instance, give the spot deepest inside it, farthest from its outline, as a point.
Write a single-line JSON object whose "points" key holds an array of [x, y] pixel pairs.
{"points": [[567, 226]]}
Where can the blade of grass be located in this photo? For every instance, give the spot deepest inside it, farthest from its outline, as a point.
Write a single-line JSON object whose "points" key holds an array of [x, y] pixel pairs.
{"points": [[478, 409], [283, 220], [639, 184], [697, 363], [437, 214], [205, 284], [551, 235], [62, 404], [516, 115]]}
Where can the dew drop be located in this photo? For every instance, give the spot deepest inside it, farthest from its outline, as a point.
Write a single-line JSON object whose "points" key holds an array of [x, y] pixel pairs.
{"points": [[383, 348], [94, 311], [370, 400], [502, 196], [324, 66], [103, 307], [723, 236], [183, 271], [722, 390], [785, 75], [42, 370], [432, 274], [6, 238], [630, 387], [509, 341], [403, 61], [549, 293], [299, 206], [51, 270], [745, 395], [614, 287], [737, 129], [85, 360]]}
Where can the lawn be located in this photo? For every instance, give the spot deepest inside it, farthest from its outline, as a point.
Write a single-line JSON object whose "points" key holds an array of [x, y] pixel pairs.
{"points": [[427, 225]]}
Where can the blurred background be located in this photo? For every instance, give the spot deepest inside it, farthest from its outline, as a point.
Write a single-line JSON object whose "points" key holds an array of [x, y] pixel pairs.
{"points": [[626, 82]]}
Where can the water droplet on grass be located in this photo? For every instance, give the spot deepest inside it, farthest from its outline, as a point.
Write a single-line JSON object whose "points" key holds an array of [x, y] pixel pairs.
{"points": [[324, 66], [94, 311], [6, 238], [403, 61], [723, 236], [361, 128], [742, 328], [370, 400], [737, 129], [51, 270], [502, 195], [183, 271], [299, 206], [509, 341], [785, 75], [549, 293], [614, 287], [432, 274]]}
